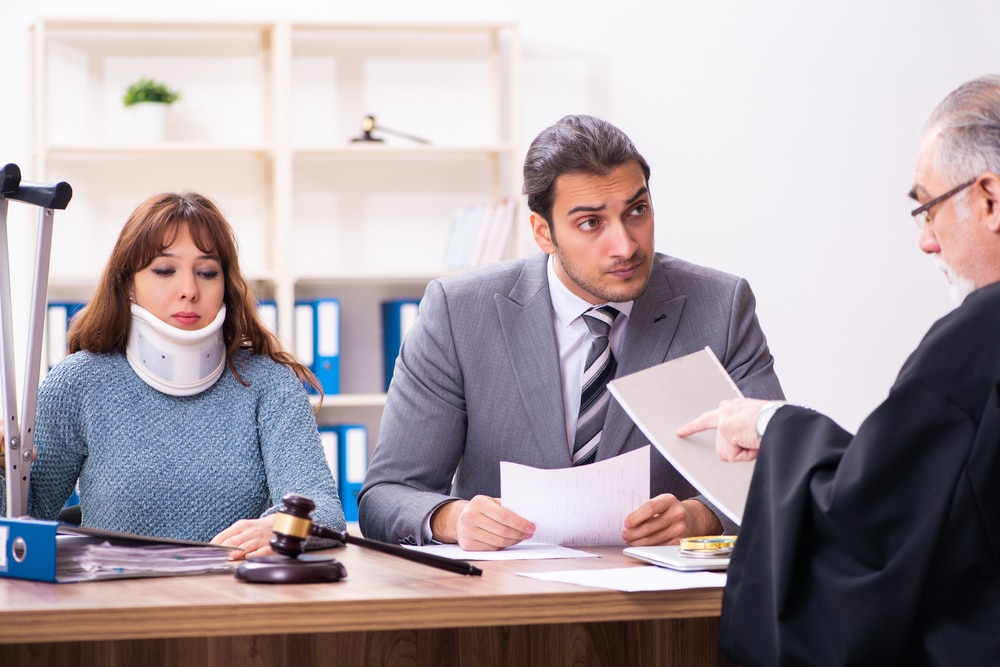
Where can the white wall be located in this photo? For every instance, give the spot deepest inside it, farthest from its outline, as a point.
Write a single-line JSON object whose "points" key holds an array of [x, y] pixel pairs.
{"points": [[781, 134]]}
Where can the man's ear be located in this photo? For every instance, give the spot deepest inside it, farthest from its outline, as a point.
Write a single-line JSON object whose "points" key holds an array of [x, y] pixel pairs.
{"points": [[988, 188], [542, 233]]}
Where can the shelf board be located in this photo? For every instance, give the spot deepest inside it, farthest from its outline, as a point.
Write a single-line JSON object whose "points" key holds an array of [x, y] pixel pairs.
{"points": [[406, 28], [92, 25], [55, 151], [380, 150], [350, 400], [369, 279]]}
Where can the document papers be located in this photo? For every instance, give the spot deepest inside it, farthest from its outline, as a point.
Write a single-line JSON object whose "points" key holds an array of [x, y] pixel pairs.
{"points": [[522, 551], [579, 506], [662, 398], [82, 558], [633, 579]]}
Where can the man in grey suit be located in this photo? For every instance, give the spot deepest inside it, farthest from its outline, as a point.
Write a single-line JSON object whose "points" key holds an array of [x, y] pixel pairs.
{"points": [[494, 367]]}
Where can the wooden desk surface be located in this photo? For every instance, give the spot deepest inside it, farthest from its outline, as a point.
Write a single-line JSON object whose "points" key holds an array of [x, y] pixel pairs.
{"points": [[381, 592]]}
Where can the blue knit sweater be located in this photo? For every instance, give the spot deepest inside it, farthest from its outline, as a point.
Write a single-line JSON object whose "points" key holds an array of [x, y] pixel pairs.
{"points": [[176, 466]]}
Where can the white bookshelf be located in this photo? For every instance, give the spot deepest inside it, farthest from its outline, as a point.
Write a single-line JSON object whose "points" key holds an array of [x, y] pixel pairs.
{"points": [[264, 127]]}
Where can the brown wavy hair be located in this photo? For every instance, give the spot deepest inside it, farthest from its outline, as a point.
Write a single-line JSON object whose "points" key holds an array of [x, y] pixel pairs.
{"points": [[151, 228]]}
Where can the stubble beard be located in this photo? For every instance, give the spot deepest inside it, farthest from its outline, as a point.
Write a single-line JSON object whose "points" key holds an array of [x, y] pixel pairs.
{"points": [[604, 293]]}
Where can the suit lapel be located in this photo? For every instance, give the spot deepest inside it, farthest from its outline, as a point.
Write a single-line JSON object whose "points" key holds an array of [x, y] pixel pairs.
{"points": [[526, 324], [651, 328]]}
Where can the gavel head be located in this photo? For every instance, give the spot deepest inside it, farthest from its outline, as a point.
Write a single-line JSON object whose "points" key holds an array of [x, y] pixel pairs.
{"points": [[293, 525]]}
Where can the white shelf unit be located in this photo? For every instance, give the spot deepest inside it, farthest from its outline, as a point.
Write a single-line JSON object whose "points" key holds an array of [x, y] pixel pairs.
{"points": [[264, 126]]}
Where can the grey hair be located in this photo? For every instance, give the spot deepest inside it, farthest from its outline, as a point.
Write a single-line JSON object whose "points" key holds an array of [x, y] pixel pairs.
{"points": [[574, 145], [968, 124]]}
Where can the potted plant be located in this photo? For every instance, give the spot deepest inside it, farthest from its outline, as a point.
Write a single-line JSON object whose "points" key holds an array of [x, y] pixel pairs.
{"points": [[148, 101]]}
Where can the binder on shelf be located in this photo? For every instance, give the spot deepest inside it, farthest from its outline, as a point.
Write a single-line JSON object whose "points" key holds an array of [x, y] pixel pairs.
{"points": [[480, 234], [329, 438], [267, 310], [304, 345], [352, 464], [327, 364], [317, 340], [58, 316], [398, 317], [462, 237], [62, 553], [499, 233], [346, 450]]}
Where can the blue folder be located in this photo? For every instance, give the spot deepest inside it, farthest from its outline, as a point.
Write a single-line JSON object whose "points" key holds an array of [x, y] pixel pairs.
{"points": [[317, 340], [327, 367], [349, 461], [58, 316], [398, 317]]}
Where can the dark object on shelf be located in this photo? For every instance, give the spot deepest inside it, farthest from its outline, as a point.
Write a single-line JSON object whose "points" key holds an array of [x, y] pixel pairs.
{"points": [[368, 126]]}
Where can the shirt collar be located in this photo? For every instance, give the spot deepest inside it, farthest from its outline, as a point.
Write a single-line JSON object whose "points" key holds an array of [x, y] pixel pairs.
{"points": [[568, 306]]}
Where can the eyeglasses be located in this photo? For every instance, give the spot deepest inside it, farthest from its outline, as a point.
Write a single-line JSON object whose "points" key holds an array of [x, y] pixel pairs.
{"points": [[921, 214]]}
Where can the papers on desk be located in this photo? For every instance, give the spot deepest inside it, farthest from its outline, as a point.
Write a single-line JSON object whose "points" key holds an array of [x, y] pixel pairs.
{"points": [[81, 558], [662, 398], [522, 551], [579, 506], [631, 579]]}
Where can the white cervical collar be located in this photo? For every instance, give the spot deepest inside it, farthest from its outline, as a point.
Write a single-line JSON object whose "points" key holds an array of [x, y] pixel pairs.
{"points": [[172, 360]]}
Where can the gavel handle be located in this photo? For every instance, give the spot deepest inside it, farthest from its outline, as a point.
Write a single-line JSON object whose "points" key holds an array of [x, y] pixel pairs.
{"points": [[450, 564]]}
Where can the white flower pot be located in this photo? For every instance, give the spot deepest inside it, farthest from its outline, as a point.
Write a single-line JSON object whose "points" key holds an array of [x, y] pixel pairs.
{"points": [[149, 122]]}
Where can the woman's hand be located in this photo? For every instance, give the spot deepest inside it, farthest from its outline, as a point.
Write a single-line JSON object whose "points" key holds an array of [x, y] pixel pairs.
{"points": [[251, 536]]}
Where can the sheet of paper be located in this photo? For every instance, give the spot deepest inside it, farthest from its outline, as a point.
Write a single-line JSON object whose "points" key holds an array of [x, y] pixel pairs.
{"points": [[522, 551], [633, 579], [662, 398], [581, 506]]}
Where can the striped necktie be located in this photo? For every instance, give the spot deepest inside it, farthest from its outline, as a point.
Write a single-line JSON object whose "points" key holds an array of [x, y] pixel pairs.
{"points": [[594, 396]]}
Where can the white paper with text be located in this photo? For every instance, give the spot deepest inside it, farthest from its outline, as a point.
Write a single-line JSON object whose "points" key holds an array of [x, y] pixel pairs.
{"points": [[579, 506]]}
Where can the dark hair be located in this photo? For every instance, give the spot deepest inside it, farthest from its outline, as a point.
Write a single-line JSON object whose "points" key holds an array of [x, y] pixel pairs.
{"points": [[574, 145], [151, 228]]}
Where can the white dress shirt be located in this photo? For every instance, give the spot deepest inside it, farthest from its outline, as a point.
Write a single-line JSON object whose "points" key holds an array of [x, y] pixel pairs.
{"points": [[573, 339]]}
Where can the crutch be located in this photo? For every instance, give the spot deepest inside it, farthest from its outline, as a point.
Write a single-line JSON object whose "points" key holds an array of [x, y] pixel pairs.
{"points": [[20, 433]]}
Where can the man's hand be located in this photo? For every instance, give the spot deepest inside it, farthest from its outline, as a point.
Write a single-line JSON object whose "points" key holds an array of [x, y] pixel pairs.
{"points": [[736, 430], [480, 524], [665, 520]]}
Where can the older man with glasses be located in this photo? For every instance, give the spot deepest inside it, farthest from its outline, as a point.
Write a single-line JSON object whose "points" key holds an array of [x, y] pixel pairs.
{"points": [[883, 547]]}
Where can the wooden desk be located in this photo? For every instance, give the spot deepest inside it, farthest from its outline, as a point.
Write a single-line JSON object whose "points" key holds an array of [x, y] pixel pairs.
{"points": [[387, 612]]}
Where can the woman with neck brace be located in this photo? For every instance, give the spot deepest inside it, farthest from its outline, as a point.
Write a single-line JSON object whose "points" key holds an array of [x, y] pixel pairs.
{"points": [[179, 413]]}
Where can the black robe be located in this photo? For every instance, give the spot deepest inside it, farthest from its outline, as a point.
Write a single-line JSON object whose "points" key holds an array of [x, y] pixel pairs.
{"points": [[881, 548]]}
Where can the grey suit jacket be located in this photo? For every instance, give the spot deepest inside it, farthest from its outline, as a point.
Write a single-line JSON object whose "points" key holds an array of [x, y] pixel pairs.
{"points": [[478, 381]]}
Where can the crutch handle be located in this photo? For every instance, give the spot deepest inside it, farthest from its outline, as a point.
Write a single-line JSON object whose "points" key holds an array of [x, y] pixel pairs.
{"points": [[47, 195], [10, 179]]}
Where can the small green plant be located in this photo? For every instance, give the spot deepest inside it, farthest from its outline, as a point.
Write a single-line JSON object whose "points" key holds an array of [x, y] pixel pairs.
{"points": [[148, 90]]}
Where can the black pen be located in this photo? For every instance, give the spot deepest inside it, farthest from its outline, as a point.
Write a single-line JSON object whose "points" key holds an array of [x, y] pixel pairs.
{"points": [[450, 564]]}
